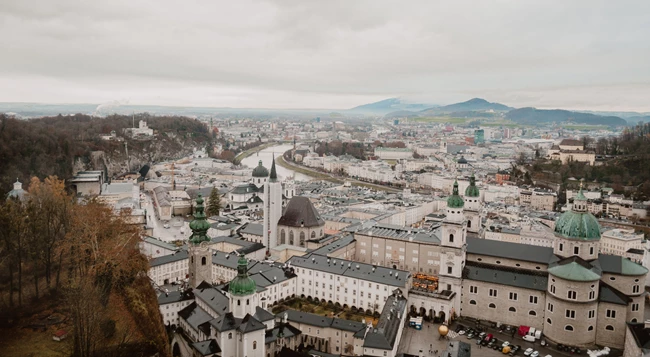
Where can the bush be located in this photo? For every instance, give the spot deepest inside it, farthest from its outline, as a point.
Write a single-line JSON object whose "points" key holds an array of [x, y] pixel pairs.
{"points": [[108, 328]]}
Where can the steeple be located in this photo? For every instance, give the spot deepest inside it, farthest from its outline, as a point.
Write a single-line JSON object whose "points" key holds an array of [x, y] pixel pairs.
{"points": [[242, 284], [199, 225], [472, 190], [274, 175], [455, 201]]}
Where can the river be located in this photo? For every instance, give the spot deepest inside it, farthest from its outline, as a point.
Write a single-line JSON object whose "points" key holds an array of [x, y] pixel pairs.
{"points": [[266, 156]]}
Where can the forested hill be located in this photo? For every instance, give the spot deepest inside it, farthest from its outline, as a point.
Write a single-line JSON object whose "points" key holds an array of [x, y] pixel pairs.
{"points": [[537, 116], [51, 145]]}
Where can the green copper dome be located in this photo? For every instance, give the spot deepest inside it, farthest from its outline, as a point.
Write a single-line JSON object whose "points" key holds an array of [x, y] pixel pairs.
{"points": [[260, 171], [455, 201], [472, 190], [199, 225], [578, 225], [242, 284]]}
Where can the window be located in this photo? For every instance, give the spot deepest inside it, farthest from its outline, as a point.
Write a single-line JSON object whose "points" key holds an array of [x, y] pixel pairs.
{"points": [[238, 302], [533, 299], [512, 309], [513, 296], [230, 335], [576, 250], [498, 262], [552, 289], [451, 238], [561, 247], [492, 306], [203, 261], [472, 302], [591, 252], [449, 270], [493, 292], [611, 314], [572, 295], [550, 307], [609, 328], [635, 307], [590, 328], [254, 345], [469, 224], [592, 295], [473, 289], [612, 278], [548, 321], [568, 328], [592, 313], [635, 289], [248, 302], [532, 313], [384, 353], [570, 314]]}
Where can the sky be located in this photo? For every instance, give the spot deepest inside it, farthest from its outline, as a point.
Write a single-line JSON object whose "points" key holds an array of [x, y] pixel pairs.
{"points": [[589, 55]]}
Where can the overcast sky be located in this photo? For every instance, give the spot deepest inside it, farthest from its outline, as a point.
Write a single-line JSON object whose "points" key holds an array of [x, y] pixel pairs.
{"points": [[326, 54]]}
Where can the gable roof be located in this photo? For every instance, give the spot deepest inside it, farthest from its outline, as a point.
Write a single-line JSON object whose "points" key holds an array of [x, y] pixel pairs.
{"points": [[508, 277], [615, 264], [301, 212], [516, 251], [249, 324], [607, 293], [575, 268], [206, 348]]}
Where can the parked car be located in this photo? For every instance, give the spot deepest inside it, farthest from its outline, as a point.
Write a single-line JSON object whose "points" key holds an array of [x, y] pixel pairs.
{"points": [[514, 349], [461, 332], [505, 344], [459, 327], [166, 225], [479, 341], [529, 338], [528, 351], [482, 334], [535, 354]]}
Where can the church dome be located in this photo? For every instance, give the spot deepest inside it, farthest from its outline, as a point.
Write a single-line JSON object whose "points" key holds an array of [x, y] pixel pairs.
{"points": [[260, 171], [578, 223], [472, 190], [455, 201], [242, 284]]}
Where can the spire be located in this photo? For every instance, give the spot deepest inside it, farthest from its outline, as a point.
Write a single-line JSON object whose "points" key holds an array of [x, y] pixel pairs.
{"points": [[580, 196], [455, 201], [199, 225], [455, 192], [472, 190], [274, 174]]}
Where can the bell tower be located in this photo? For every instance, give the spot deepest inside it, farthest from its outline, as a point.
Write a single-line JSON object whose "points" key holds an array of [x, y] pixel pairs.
{"points": [[272, 209], [473, 206], [200, 256]]}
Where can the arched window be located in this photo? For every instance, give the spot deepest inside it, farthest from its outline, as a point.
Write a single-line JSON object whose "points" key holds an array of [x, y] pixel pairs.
{"points": [[590, 328], [291, 237], [283, 238], [254, 345], [451, 238], [248, 301], [238, 302], [469, 224], [492, 306], [568, 328], [512, 309], [203, 261], [548, 321], [313, 234], [532, 313], [302, 239], [633, 320], [230, 335], [472, 302], [609, 328]]}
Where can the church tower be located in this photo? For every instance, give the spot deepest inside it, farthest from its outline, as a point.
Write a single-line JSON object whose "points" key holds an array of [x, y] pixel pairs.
{"points": [[200, 256], [243, 291], [473, 206], [272, 209], [453, 249]]}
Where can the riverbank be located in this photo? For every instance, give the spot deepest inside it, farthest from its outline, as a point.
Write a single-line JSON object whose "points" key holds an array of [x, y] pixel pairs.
{"points": [[244, 154], [328, 177]]}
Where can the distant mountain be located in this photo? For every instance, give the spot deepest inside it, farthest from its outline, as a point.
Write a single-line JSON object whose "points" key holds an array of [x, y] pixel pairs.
{"points": [[402, 114], [534, 116], [472, 105], [389, 105], [636, 119]]}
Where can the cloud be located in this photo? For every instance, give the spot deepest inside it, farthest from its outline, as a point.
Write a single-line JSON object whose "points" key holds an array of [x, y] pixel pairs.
{"points": [[333, 54]]}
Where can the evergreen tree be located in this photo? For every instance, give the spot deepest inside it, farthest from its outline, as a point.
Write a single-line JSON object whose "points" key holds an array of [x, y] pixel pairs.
{"points": [[214, 203]]}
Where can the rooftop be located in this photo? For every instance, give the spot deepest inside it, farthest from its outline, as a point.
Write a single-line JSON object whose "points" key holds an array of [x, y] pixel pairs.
{"points": [[516, 251]]}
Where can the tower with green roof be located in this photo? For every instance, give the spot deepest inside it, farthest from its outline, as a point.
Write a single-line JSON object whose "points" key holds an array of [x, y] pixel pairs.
{"points": [[453, 235], [473, 206], [200, 257], [243, 291]]}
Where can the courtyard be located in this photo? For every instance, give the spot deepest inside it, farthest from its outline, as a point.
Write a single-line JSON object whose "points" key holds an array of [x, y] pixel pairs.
{"points": [[325, 309]]}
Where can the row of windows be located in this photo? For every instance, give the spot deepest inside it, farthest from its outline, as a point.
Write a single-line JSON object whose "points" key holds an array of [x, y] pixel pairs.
{"points": [[576, 250], [512, 295], [511, 309], [590, 328]]}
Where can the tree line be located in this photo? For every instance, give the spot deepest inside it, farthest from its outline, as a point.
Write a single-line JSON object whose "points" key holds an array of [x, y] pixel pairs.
{"points": [[83, 257]]}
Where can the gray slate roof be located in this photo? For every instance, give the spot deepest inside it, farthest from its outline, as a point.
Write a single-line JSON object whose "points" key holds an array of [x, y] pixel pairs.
{"points": [[505, 277], [170, 258], [300, 211], [516, 251], [336, 245], [377, 274], [207, 348], [607, 293], [174, 296], [392, 316], [255, 229]]}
